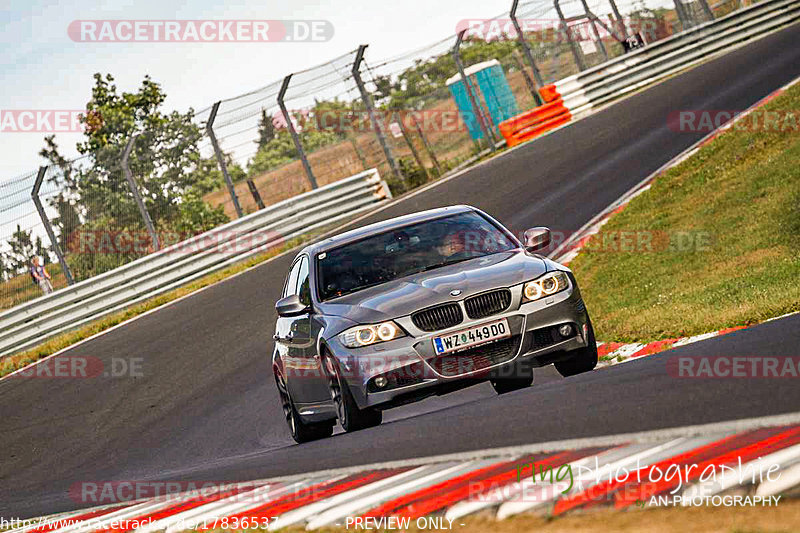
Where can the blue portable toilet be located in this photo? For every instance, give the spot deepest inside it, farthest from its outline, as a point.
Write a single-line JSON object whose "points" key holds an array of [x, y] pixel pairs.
{"points": [[494, 96]]}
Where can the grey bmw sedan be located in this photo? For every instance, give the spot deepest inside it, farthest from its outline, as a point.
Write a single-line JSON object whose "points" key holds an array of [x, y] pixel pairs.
{"points": [[421, 305]]}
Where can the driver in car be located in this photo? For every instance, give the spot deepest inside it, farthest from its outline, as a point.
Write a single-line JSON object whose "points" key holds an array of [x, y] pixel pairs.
{"points": [[453, 247]]}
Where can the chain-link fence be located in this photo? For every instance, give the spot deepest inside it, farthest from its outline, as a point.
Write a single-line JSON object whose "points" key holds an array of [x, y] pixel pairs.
{"points": [[157, 179], [22, 236]]}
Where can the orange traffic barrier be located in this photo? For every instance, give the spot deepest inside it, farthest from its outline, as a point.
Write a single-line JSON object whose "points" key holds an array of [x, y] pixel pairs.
{"points": [[530, 124], [549, 93]]}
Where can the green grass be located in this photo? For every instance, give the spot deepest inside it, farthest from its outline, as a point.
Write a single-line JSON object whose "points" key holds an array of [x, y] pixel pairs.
{"points": [[21, 288], [740, 195]]}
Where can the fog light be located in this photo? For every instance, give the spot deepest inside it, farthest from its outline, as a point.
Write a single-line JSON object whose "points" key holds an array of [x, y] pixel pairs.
{"points": [[381, 382], [565, 330]]}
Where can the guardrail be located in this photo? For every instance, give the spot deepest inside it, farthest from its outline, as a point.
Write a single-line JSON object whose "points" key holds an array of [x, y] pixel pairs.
{"points": [[578, 95], [33, 322]]}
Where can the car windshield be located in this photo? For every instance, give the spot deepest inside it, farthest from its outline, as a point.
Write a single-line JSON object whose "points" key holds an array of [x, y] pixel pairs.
{"points": [[408, 250]]}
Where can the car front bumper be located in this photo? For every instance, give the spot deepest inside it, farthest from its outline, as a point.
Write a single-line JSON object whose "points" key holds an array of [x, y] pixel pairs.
{"points": [[414, 371]]}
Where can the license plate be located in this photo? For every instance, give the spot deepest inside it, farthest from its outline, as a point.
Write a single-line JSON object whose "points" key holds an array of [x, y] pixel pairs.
{"points": [[466, 338]]}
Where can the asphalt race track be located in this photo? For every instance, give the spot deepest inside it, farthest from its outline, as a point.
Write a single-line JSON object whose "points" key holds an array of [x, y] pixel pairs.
{"points": [[206, 407]]}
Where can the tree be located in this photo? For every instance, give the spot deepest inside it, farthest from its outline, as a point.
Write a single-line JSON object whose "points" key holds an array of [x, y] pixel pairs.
{"points": [[5, 271], [208, 177], [427, 76], [266, 130], [383, 89], [23, 247], [163, 154], [331, 116], [68, 220], [165, 160], [41, 250], [280, 150], [197, 216]]}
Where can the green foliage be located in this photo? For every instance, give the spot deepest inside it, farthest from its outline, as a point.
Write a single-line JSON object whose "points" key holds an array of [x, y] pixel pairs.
{"points": [[165, 161], [278, 151], [67, 220], [281, 149], [426, 79], [207, 176], [326, 115], [266, 129], [413, 177], [196, 216], [23, 247], [163, 154], [722, 248], [88, 261]]}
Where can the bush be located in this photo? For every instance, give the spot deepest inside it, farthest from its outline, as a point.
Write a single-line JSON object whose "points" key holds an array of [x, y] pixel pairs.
{"points": [[413, 177]]}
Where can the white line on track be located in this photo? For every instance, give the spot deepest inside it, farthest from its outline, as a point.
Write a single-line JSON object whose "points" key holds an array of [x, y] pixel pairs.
{"points": [[696, 338]]}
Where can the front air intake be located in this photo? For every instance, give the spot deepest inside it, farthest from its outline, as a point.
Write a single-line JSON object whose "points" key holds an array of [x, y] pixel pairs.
{"points": [[488, 303], [439, 317]]}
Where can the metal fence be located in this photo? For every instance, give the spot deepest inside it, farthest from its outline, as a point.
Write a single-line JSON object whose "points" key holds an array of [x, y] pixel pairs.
{"points": [[163, 178], [173, 265]]}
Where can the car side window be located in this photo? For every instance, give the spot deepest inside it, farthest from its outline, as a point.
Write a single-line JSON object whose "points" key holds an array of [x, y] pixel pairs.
{"points": [[303, 288], [291, 279]]}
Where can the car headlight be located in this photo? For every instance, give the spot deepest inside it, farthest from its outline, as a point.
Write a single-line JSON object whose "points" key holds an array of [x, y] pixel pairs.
{"points": [[359, 336], [549, 284]]}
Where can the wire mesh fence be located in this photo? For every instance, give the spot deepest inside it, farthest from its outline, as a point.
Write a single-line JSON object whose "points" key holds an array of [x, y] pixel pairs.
{"points": [[424, 127], [410, 116], [21, 237]]}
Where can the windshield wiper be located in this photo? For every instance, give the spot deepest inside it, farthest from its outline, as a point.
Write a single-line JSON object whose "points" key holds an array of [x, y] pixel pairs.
{"points": [[359, 288], [443, 264]]}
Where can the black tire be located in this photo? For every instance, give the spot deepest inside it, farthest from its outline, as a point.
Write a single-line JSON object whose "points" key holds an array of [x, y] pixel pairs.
{"points": [[351, 418], [582, 360], [521, 378], [301, 431]]}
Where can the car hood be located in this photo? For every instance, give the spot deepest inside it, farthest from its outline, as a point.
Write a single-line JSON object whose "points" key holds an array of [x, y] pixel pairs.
{"points": [[406, 295]]}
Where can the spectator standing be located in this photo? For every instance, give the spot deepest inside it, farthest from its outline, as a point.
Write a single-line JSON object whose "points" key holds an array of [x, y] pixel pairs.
{"points": [[40, 276]]}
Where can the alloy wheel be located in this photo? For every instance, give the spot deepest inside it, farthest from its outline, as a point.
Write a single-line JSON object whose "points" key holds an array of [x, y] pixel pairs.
{"points": [[286, 402]]}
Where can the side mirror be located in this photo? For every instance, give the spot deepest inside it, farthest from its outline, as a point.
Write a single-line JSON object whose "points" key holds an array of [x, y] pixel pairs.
{"points": [[536, 238], [290, 306]]}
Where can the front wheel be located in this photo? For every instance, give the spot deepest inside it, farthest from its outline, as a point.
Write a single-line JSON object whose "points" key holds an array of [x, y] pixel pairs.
{"points": [[582, 360], [350, 416], [301, 431]]}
